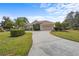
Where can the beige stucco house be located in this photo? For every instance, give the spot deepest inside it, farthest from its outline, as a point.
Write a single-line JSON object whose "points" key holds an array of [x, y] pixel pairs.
{"points": [[44, 25]]}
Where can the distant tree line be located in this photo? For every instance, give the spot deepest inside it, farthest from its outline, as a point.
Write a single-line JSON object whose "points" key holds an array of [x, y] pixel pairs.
{"points": [[7, 23], [71, 22]]}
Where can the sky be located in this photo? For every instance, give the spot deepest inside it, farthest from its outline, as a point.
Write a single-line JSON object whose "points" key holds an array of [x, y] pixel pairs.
{"points": [[38, 11]]}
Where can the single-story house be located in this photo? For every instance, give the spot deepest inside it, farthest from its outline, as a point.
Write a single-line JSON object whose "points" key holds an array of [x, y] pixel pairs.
{"points": [[44, 25]]}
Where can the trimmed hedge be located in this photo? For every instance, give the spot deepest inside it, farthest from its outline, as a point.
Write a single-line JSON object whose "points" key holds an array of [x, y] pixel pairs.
{"points": [[17, 32]]}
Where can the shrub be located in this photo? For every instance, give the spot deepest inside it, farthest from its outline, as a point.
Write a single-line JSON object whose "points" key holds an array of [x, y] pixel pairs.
{"points": [[17, 32], [58, 28]]}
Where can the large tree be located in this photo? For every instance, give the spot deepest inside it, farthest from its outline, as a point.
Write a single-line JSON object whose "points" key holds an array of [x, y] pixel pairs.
{"points": [[69, 19], [72, 19], [7, 23], [21, 21]]}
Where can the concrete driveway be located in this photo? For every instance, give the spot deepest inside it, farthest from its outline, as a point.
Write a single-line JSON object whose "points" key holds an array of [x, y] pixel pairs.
{"points": [[45, 44]]}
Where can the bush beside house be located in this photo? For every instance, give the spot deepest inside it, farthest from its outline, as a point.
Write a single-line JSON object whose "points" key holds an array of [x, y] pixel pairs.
{"points": [[17, 32], [61, 26]]}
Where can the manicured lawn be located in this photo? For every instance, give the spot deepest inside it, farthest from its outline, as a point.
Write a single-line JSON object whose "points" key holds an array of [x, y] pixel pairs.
{"points": [[70, 35], [15, 45]]}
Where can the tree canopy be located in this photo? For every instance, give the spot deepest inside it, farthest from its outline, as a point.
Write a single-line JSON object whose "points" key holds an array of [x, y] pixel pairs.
{"points": [[21, 21], [72, 19], [7, 22]]}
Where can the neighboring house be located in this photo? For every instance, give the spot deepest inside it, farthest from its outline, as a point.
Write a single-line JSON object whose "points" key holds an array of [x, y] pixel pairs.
{"points": [[29, 26], [44, 25]]}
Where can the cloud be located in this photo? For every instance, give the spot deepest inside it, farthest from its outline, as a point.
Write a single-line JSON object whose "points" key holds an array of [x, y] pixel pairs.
{"points": [[62, 8], [45, 5], [40, 18], [32, 18], [51, 10], [59, 11], [54, 11], [48, 18]]}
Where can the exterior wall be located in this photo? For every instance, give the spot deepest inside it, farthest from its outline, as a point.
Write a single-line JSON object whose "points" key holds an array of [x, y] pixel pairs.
{"points": [[46, 26]]}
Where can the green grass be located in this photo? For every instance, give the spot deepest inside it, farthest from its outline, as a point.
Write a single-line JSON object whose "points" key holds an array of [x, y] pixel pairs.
{"points": [[15, 46], [70, 35]]}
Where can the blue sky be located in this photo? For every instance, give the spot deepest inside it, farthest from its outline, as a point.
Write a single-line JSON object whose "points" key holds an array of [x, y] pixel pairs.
{"points": [[37, 11]]}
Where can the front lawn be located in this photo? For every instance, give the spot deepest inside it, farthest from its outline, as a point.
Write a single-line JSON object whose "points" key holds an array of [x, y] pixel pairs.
{"points": [[16, 46], [70, 35]]}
